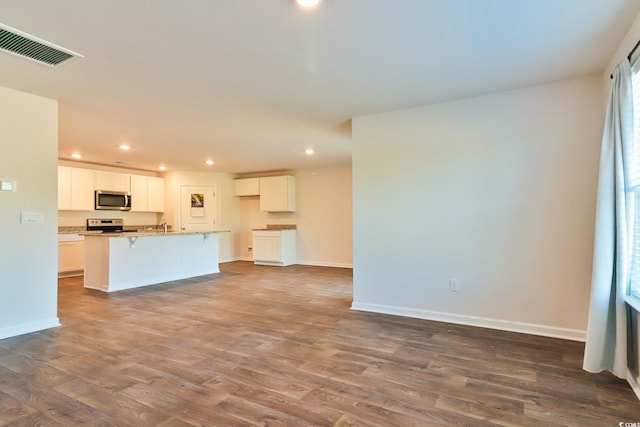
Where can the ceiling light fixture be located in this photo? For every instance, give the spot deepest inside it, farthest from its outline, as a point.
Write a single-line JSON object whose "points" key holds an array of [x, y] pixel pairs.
{"points": [[76, 156], [309, 151], [162, 167], [209, 162], [125, 147], [308, 3]]}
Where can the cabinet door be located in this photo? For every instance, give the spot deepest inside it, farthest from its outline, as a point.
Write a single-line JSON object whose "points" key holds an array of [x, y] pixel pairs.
{"points": [[277, 194], [112, 181], [246, 187], [70, 256], [155, 194], [273, 249], [82, 189], [139, 193], [266, 249], [64, 188]]}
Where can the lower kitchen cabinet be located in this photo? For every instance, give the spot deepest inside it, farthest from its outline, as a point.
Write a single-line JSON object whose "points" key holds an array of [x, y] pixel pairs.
{"points": [[70, 255], [274, 247]]}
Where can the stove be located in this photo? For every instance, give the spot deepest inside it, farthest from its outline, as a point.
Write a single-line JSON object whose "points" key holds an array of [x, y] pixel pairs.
{"points": [[106, 225]]}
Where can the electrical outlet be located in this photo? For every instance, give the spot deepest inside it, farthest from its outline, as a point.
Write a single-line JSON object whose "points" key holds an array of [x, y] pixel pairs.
{"points": [[454, 285], [249, 249]]}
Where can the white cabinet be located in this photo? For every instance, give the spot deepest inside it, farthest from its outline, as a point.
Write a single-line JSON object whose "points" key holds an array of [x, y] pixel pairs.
{"points": [[112, 181], [246, 187], [64, 188], [70, 254], [274, 247], [147, 194], [76, 189], [278, 193], [155, 195]]}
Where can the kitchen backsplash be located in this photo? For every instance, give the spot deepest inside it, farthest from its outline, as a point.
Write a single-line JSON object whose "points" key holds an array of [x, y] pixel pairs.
{"points": [[79, 218]]}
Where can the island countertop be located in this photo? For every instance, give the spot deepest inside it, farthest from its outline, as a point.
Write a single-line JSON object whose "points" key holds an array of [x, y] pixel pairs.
{"points": [[115, 261]]}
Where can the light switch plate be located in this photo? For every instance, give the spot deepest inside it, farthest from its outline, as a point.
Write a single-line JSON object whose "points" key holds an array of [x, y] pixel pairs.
{"points": [[31, 217], [7, 185]]}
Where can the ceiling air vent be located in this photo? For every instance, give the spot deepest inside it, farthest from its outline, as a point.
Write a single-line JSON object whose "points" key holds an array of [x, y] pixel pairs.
{"points": [[32, 48]]}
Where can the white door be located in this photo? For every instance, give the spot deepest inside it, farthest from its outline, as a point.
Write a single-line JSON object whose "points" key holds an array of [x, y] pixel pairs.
{"points": [[198, 208]]}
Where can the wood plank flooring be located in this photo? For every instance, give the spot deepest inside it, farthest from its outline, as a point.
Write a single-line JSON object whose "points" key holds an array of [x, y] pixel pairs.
{"points": [[258, 345]]}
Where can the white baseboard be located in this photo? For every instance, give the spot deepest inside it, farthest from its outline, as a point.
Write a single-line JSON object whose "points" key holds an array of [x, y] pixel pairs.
{"points": [[311, 263], [232, 259], [27, 328], [325, 264], [483, 322]]}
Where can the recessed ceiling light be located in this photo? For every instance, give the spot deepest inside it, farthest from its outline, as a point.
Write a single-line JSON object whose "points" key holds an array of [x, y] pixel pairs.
{"points": [[309, 151], [162, 167], [209, 162], [308, 3], [76, 156], [125, 147]]}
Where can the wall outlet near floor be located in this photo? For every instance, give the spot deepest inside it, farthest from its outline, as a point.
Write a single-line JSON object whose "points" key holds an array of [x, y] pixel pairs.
{"points": [[454, 285], [249, 249]]}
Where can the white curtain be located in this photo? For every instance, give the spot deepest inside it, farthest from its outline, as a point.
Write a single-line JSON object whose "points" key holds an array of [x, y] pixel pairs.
{"points": [[606, 332]]}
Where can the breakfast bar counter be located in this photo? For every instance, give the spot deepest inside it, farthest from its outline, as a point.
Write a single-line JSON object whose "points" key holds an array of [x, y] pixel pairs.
{"points": [[118, 261]]}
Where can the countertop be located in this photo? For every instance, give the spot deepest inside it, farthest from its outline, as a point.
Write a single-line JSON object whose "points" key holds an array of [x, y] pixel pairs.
{"points": [[147, 233], [77, 229], [277, 227]]}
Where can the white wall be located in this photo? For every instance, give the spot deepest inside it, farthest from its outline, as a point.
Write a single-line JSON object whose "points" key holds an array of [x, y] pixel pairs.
{"points": [[323, 217], [28, 252], [228, 213], [497, 191]]}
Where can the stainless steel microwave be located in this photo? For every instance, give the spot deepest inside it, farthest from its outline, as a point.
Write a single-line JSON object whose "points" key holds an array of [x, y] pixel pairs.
{"points": [[113, 201]]}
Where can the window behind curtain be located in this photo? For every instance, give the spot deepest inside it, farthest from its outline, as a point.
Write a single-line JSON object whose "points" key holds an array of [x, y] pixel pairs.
{"points": [[635, 257]]}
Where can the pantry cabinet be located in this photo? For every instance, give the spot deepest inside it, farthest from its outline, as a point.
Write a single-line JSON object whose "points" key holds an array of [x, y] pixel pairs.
{"points": [[278, 193]]}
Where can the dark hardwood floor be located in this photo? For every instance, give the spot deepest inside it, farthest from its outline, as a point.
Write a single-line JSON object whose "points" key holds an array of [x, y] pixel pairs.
{"points": [[279, 346]]}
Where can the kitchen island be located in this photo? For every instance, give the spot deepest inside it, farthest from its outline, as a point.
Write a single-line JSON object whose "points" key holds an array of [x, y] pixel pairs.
{"points": [[117, 261]]}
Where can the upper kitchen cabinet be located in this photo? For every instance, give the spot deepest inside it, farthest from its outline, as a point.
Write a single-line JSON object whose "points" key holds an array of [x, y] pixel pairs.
{"points": [[147, 194], [246, 187], [64, 188], [278, 193], [75, 189], [112, 181], [155, 195]]}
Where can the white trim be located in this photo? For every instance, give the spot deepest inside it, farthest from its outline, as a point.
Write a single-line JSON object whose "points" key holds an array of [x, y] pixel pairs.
{"points": [[311, 263], [633, 302], [633, 382], [325, 264], [27, 328], [483, 322], [230, 259]]}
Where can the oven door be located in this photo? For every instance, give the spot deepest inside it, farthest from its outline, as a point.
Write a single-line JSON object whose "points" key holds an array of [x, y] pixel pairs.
{"points": [[113, 201]]}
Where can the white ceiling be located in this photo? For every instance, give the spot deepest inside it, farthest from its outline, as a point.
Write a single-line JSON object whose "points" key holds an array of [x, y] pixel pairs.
{"points": [[252, 83]]}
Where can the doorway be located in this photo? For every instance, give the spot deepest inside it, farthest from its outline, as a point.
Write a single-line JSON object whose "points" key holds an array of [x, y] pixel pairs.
{"points": [[198, 208]]}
